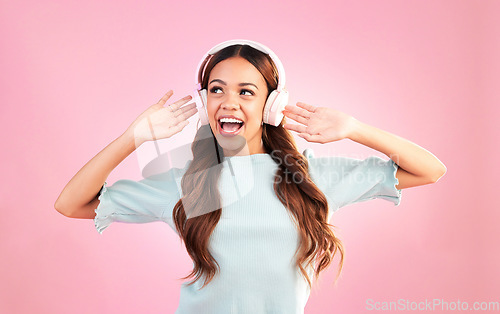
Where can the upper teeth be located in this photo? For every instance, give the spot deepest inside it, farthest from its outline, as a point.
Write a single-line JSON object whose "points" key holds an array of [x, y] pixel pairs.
{"points": [[230, 120]]}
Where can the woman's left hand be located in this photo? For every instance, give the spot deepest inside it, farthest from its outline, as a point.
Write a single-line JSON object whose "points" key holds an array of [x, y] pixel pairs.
{"points": [[319, 124]]}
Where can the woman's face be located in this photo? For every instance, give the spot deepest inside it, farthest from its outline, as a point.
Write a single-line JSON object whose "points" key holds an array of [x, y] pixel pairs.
{"points": [[237, 89]]}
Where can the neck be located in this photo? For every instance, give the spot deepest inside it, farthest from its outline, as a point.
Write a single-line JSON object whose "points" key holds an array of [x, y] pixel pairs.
{"points": [[246, 150]]}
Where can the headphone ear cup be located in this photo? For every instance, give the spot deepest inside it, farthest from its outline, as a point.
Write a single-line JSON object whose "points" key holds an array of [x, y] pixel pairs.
{"points": [[267, 108], [202, 106], [275, 104], [203, 95]]}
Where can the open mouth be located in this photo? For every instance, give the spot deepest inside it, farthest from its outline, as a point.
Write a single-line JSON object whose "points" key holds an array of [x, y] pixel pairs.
{"points": [[230, 126]]}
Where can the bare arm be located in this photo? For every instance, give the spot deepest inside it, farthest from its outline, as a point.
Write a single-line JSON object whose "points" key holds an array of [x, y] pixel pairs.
{"points": [[417, 166], [79, 198]]}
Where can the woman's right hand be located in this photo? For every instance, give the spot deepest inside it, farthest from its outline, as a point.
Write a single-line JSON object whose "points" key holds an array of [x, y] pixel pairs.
{"points": [[160, 121]]}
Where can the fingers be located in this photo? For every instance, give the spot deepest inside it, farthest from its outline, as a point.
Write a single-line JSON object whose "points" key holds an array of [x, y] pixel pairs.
{"points": [[295, 117], [304, 136], [184, 110], [187, 112], [184, 113], [295, 127], [164, 99], [313, 138], [176, 105], [310, 108], [298, 111], [179, 126]]}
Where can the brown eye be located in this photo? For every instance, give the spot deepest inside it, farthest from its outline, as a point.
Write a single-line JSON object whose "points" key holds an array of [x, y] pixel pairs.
{"points": [[247, 91], [214, 89]]}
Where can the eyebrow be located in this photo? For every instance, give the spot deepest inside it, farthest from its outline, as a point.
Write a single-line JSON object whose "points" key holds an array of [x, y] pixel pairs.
{"points": [[241, 84]]}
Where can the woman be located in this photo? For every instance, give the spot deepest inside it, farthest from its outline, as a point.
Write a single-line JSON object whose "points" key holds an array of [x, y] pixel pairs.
{"points": [[251, 210]]}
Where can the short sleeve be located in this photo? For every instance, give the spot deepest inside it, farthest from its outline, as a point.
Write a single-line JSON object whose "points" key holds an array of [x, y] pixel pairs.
{"points": [[349, 180], [149, 200]]}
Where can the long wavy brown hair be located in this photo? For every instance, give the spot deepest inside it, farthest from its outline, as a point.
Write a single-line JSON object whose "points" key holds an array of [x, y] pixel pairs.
{"points": [[308, 205]]}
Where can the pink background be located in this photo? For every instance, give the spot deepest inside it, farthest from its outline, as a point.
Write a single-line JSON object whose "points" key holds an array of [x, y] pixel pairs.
{"points": [[75, 74]]}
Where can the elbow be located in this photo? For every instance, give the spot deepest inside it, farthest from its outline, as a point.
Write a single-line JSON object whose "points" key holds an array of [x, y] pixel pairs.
{"points": [[62, 209], [438, 174]]}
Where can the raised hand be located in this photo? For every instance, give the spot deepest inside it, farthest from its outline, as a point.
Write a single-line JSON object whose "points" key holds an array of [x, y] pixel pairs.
{"points": [[160, 121], [319, 124]]}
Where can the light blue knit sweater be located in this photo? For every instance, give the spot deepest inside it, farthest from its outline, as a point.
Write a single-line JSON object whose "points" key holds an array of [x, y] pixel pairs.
{"points": [[256, 238]]}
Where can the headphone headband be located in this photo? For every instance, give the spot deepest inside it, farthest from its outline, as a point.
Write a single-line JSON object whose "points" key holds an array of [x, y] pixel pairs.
{"points": [[253, 44]]}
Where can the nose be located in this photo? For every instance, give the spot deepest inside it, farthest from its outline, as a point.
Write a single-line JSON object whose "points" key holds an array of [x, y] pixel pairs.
{"points": [[230, 102], [229, 105]]}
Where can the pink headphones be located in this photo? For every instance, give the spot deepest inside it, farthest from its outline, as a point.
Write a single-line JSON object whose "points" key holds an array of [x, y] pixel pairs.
{"points": [[277, 100]]}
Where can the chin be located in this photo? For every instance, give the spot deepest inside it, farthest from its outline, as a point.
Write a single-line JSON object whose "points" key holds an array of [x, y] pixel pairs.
{"points": [[233, 144]]}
